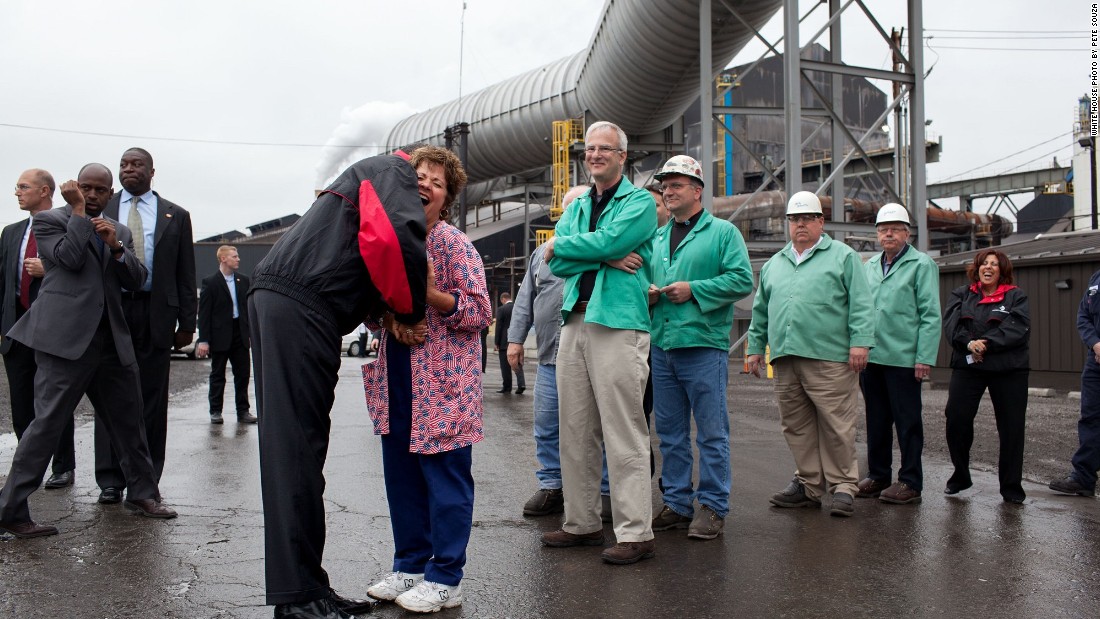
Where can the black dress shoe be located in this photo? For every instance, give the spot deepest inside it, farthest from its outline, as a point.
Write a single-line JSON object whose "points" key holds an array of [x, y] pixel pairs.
{"points": [[60, 480], [352, 606], [150, 508], [246, 417], [520, 390], [509, 389], [216, 419], [324, 608], [26, 529], [109, 496]]}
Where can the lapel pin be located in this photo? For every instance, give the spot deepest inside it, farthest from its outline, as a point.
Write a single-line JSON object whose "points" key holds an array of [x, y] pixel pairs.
{"points": [[168, 215]]}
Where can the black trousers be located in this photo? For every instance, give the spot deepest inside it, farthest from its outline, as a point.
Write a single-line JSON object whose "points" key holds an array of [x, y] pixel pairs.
{"points": [[239, 359], [1086, 461], [58, 387], [893, 397], [1008, 392], [154, 367], [20, 367], [506, 371], [297, 359]]}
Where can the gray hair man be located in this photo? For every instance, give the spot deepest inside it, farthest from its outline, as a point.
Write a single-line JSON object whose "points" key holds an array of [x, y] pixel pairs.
{"points": [[905, 288], [602, 353]]}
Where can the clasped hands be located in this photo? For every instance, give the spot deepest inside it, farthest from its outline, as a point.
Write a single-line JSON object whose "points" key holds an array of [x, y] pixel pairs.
{"points": [[410, 335], [977, 350]]}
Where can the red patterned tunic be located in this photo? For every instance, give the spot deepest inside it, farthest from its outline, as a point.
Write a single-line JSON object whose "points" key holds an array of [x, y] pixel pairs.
{"points": [[446, 368]]}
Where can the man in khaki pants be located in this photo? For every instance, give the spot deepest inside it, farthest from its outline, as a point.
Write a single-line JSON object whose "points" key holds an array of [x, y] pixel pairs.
{"points": [[599, 247], [814, 308]]}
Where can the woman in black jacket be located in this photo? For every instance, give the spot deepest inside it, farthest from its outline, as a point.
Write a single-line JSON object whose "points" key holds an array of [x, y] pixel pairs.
{"points": [[987, 325]]}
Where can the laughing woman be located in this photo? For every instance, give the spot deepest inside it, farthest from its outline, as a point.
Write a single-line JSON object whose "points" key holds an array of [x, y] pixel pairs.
{"points": [[424, 396], [988, 325]]}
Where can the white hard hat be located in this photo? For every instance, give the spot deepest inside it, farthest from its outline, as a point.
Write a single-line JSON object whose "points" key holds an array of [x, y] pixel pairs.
{"points": [[890, 213], [804, 203], [683, 165]]}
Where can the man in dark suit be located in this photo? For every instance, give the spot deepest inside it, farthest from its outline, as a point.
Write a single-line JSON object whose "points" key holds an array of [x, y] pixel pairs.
{"points": [[160, 311], [20, 277], [82, 345], [223, 333], [500, 344]]}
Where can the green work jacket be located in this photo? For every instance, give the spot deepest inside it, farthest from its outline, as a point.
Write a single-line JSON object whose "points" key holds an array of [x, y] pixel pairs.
{"points": [[714, 261], [907, 309], [818, 309], [619, 299]]}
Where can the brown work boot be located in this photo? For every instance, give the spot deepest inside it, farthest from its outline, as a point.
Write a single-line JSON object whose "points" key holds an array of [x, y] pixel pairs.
{"points": [[900, 494], [706, 525], [871, 488], [669, 519], [625, 553], [564, 539]]}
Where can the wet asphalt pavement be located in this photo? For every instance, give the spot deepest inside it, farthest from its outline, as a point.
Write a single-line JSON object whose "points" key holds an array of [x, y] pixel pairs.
{"points": [[970, 555]]}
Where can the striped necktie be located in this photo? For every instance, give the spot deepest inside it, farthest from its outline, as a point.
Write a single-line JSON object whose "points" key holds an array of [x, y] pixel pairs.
{"points": [[133, 221]]}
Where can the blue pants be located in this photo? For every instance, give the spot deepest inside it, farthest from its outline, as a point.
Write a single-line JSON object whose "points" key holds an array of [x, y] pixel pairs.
{"points": [[893, 399], [547, 447], [1087, 459], [431, 497], [691, 382], [547, 450]]}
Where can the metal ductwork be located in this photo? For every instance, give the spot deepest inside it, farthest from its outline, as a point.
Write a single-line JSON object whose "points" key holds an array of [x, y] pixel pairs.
{"points": [[640, 71]]}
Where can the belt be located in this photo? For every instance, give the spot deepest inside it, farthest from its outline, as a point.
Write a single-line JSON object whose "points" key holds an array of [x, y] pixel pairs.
{"points": [[139, 294], [581, 307]]}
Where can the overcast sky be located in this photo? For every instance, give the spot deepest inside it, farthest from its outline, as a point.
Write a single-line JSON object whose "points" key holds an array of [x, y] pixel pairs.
{"points": [[236, 100]]}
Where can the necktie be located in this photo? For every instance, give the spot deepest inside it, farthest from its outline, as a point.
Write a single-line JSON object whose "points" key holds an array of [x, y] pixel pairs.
{"points": [[25, 280], [133, 221]]}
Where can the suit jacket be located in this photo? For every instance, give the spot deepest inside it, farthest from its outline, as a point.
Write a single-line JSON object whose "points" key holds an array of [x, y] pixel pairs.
{"points": [[82, 280], [173, 301], [504, 320], [11, 273], [216, 311]]}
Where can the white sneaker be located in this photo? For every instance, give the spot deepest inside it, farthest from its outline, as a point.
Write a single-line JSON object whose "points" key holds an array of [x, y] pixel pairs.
{"points": [[430, 597], [394, 585]]}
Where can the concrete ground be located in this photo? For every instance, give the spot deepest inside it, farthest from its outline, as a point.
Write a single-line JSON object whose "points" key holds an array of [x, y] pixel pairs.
{"points": [[967, 555]]}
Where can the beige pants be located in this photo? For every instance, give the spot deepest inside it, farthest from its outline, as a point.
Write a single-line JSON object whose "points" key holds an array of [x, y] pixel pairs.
{"points": [[818, 408], [601, 374]]}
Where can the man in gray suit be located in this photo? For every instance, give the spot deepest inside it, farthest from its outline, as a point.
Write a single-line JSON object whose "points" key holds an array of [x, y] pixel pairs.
{"points": [[82, 344], [20, 276]]}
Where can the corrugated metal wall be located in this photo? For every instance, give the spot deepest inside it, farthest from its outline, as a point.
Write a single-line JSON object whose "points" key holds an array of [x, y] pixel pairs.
{"points": [[1056, 347]]}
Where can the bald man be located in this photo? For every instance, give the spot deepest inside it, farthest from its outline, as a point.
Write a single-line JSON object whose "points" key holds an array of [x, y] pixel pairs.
{"points": [[81, 345], [20, 277], [538, 304]]}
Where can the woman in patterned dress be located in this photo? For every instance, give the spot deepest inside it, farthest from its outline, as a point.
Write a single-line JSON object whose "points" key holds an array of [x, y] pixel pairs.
{"points": [[424, 396]]}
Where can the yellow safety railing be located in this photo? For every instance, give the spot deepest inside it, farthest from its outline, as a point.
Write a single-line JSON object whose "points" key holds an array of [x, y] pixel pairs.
{"points": [[541, 236], [566, 133]]}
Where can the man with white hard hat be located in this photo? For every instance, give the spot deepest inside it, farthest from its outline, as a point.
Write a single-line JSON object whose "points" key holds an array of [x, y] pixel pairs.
{"points": [[700, 269], [813, 307], [905, 289]]}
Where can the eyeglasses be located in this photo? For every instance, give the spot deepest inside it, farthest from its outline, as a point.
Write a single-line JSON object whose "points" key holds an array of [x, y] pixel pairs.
{"points": [[603, 150], [674, 186], [801, 219], [23, 187], [894, 229]]}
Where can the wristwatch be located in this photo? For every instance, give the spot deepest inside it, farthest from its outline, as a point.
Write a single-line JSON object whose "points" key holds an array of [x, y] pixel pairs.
{"points": [[117, 249]]}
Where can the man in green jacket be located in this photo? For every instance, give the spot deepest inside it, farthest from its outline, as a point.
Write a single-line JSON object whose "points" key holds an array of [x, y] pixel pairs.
{"points": [[813, 307], [602, 351], [906, 292], [700, 269]]}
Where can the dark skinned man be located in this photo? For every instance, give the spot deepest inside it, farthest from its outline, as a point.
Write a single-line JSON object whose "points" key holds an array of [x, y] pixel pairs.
{"points": [[160, 312]]}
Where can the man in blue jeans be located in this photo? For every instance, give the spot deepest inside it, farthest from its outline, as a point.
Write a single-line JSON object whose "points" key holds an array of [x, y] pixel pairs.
{"points": [[700, 268], [538, 303]]}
